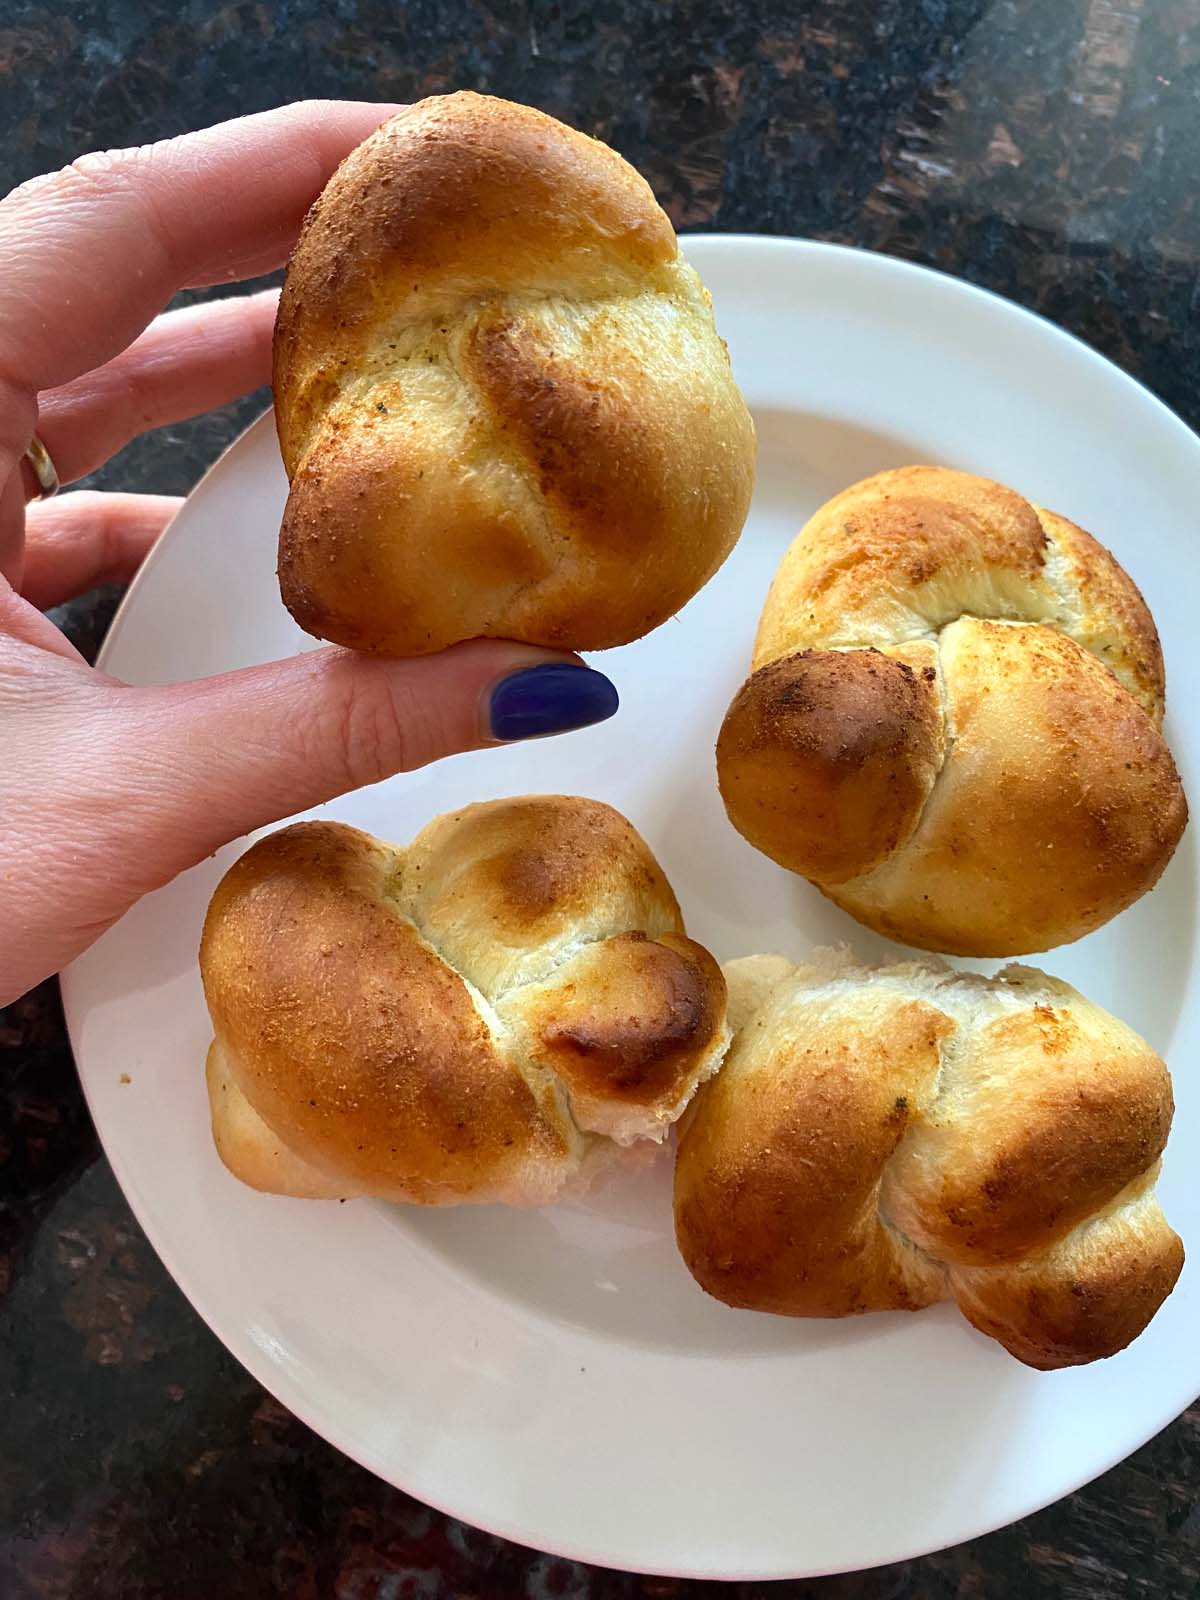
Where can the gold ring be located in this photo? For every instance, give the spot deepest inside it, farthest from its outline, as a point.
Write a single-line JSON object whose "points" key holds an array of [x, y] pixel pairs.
{"points": [[44, 470]]}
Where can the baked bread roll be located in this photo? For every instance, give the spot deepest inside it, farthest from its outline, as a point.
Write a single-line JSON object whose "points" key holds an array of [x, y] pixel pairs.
{"points": [[952, 726], [881, 1139], [483, 1016], [503, 406]]}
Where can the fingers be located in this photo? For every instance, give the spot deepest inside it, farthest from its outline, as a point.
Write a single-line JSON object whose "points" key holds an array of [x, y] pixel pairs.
{"points": [[206, 762], [186, 362], [89, 255], [111, 790], [79, 541]]}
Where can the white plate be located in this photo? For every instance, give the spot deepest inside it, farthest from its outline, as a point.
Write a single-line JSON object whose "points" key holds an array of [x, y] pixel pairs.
{"points": [[557, 1377]]}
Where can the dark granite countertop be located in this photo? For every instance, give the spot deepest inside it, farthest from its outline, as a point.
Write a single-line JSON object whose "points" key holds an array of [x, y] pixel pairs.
{"points": [[1044, 148]]}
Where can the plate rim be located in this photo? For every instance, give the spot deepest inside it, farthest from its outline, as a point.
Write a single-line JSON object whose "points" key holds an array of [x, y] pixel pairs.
{"points": [[275, 1379]]}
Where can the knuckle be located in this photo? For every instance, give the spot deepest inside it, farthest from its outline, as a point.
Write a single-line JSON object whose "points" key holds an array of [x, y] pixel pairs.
{"points": [[418, 725], [101, 168], [345, 736], [377, 726], [385, 730], [94, 175]]}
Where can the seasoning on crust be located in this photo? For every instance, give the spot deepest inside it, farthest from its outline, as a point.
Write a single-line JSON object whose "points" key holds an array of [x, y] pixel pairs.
{"points": [[953, 722], [483, 1016], [502, 403], [885, 1138]]}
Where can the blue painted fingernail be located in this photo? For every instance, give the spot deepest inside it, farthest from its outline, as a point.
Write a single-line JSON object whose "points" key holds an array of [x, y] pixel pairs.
{"points": [[552, 698]]}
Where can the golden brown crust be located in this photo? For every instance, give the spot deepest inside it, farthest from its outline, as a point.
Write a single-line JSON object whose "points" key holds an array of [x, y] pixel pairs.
{"points": [[879, 1139], [621, 1025], [1114, 622], [1059, 806], [888, 559], [487, 342], [1052, 802], [777, 1169], [1052, 1109], [345, 499], [457, 194], [370, 1004], [826, 759], [510, 884], [251, 1150], [351, 1037], [1084, 1299]]}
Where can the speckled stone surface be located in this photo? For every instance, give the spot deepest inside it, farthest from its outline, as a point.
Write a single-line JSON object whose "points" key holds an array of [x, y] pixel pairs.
{"points": [[1044, 148]]}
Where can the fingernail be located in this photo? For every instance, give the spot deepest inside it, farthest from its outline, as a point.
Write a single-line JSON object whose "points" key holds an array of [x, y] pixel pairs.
{"points": [[549, 699]]}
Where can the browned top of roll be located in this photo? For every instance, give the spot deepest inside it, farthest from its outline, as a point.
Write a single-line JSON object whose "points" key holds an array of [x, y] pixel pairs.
{"points": [[837, 750], [441, 1024], [502, 403], [902, 554], [780, 1160], [883, 1138], [953, 725], [351, 1036], [459, 194]]}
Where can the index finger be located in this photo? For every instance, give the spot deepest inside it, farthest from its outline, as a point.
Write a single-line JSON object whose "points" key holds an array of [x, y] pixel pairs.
{"points": [[89, 255]]}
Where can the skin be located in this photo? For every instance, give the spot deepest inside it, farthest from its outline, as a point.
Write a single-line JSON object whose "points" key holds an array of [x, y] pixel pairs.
{"points": [[108, 791]]}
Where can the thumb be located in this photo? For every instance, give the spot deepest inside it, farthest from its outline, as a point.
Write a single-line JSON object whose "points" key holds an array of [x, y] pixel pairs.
{"points": [[211, 760]]}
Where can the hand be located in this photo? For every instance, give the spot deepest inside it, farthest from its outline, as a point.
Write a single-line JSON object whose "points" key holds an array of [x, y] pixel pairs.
{"points": [[108, 791]]}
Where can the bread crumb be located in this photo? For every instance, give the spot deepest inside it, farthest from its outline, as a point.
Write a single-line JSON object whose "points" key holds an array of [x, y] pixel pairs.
{"points": [[125, 1078]]}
